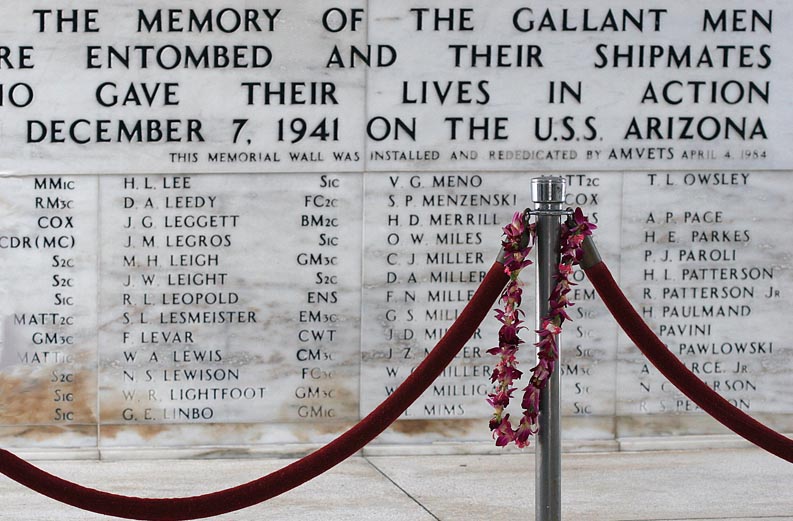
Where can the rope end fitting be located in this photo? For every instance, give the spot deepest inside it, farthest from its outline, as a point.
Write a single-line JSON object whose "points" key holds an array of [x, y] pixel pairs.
{"points": [[591, 256]]}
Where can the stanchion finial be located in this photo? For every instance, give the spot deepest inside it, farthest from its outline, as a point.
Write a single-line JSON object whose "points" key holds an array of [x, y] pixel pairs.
{"points": [[548, 190]]}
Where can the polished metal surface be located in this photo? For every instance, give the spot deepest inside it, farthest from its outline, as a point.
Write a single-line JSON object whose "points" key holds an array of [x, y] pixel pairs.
{"points": [[548, 194]]}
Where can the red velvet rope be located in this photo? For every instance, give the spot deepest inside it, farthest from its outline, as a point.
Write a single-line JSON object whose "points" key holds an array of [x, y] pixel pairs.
{"points": [[678, 374], [292, 475]]}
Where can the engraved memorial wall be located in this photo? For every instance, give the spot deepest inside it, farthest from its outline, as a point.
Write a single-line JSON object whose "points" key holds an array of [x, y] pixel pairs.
{"points": [[244, 224]]}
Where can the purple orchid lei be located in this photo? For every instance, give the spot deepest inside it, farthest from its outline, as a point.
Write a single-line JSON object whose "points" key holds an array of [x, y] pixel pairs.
{"points": [[517, 247], [517, 244]]}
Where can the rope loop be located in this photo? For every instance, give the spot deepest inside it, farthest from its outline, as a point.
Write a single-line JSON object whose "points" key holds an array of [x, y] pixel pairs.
{"points": [[291, 476], [673, 369]]}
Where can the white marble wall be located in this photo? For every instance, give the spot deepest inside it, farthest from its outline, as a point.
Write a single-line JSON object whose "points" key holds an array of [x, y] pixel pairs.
{"points": [[323, 207]]}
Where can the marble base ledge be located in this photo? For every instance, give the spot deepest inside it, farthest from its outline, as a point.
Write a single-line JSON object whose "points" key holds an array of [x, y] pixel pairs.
{"points": [[293, 451], [60, 454], [286, 451], [702, 442], [482, 448]]}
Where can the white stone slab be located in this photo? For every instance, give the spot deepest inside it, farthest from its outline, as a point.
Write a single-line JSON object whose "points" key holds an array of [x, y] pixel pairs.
{"points": [[224, 89], [588, 357], [242, 310], [333, 250], [394, 87], [543, 86], [409, 270], [709, 276], [48, 229], [430, 240]]}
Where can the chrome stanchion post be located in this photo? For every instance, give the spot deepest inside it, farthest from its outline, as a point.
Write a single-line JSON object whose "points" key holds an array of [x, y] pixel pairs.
{"points": [[548, 194]]}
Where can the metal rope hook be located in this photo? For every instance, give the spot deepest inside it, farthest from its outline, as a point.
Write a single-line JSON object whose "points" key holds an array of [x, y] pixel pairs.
{"points": [[548, 194]]}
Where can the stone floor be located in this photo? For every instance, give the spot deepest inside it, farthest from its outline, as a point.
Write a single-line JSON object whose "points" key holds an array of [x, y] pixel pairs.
{"points": [[723, 484]]}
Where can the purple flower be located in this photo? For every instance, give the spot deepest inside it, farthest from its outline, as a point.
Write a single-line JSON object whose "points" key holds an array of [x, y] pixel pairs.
{"points": [[501, 398], [582, 222], [526, 428], [531, 400], [503, 432], [565, 270]]}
